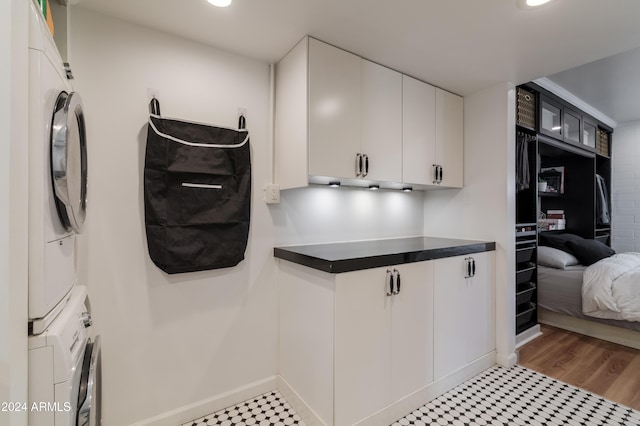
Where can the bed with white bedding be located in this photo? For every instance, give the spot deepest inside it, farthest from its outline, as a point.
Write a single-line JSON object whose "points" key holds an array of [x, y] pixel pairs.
{"points": [[560, 291], [560, 295], [611, 288]]}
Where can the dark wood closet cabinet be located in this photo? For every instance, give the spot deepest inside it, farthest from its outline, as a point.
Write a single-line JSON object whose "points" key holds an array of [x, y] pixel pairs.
{"points": [[563, 179]]}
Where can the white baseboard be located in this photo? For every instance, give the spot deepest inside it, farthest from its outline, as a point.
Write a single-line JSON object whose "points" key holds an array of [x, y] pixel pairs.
{"points": [[399, 409], [528, 335], [417, 399], [507, 360], [210, 405], [298, 404]]}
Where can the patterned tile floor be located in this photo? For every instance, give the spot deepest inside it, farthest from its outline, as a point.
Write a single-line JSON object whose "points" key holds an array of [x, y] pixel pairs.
{"points": [[270, 409], [499, 396], [518, 396]]}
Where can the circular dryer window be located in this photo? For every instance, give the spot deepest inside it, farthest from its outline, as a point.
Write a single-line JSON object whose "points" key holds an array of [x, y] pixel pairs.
{"points": [[90, 395], [69, 160]]}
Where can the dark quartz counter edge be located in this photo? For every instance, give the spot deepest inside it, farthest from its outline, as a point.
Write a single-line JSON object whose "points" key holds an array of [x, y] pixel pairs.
{"points": [[336, 266]]}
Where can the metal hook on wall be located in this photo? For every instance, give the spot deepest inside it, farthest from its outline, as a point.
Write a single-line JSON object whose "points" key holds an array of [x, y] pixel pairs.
{"points": [[154, 106]]}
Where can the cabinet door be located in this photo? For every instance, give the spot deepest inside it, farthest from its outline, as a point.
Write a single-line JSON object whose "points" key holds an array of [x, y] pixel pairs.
{"points": [[451, 320], [449, 137], [572, 126], [464, 312], [382, 121], [418, 131], [412, 330], [362, 345], [480, 307], [334, 110], [589, 133], [550, 118]]}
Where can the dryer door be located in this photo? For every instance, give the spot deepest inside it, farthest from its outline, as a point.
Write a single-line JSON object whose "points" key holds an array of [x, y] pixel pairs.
{"points": [[69, 160], [90, 395]]}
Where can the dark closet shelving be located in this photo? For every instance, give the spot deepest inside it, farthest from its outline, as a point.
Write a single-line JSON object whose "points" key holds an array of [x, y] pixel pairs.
{"points": [[526, 276], [558, 135]]}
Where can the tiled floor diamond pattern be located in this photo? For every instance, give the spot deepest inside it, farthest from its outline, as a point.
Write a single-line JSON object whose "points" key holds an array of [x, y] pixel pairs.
{"points": [[517, 396], [498, 397], [269, 409]]}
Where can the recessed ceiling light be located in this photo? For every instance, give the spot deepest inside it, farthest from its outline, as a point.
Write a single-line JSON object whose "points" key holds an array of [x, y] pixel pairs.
{"points": [[530, 4], [220, 3]]}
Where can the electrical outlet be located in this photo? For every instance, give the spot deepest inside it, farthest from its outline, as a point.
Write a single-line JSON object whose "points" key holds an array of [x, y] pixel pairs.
{"points": [[272, 194]]}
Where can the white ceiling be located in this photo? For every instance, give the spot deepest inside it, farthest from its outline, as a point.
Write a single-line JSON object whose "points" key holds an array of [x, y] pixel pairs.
{"points": [[459, 45], [610, 85]]}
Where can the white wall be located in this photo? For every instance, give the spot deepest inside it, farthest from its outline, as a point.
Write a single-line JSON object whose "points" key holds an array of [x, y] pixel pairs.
{"points": [[625, 192], [13, 207], [485, 208], [172, 344], [169, 341], [320, 214]]}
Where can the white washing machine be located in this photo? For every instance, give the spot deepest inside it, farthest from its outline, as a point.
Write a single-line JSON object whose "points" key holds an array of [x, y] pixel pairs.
{"points": [[57, 175], [65, 368]]}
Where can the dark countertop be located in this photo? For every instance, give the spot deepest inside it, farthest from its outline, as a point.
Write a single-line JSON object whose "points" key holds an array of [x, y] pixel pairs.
{"points": [[354, 256]]}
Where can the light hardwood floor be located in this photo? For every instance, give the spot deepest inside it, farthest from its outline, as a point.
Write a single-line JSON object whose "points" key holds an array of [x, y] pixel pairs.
{"points": [[606, 369]]}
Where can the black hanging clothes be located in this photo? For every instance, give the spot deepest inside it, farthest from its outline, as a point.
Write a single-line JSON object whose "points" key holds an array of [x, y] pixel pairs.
{"points": [[197, 195], [523, 174]]}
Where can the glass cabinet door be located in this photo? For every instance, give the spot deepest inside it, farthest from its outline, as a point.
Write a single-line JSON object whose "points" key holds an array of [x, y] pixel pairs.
{"points": [[571, 126], [551, 119], [589, 134]]}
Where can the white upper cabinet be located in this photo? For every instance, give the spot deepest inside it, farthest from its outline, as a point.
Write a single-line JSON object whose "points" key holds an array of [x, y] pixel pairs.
{"points": [[449, 138], [381, 122], [339, 117], [334, 111], [418, 132], [432, 140], [291, 149]]}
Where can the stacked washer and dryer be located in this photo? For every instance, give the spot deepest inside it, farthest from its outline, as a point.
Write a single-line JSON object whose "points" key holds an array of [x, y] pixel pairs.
{"points": [[64, 354]]}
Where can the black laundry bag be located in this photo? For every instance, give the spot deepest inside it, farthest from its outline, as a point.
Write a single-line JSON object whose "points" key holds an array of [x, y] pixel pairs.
{"points": [[197, 195]]}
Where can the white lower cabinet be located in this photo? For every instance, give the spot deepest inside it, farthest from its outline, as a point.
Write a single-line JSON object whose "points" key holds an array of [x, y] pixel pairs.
{"points": [[383, 340], [464, 312], [352, 345]]}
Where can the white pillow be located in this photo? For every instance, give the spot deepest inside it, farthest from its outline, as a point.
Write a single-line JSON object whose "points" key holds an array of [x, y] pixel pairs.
{"points": [[554, 258]]}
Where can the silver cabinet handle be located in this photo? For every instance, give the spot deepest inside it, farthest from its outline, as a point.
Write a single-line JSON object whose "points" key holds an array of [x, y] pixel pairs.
{"points": [[471, 267], [437, 174], [390, 277], [366, 165], [362, 165], [396, 274]]}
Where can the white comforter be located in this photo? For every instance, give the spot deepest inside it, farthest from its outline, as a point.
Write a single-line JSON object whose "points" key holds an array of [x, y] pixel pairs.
{"points": [[611, 288]]}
